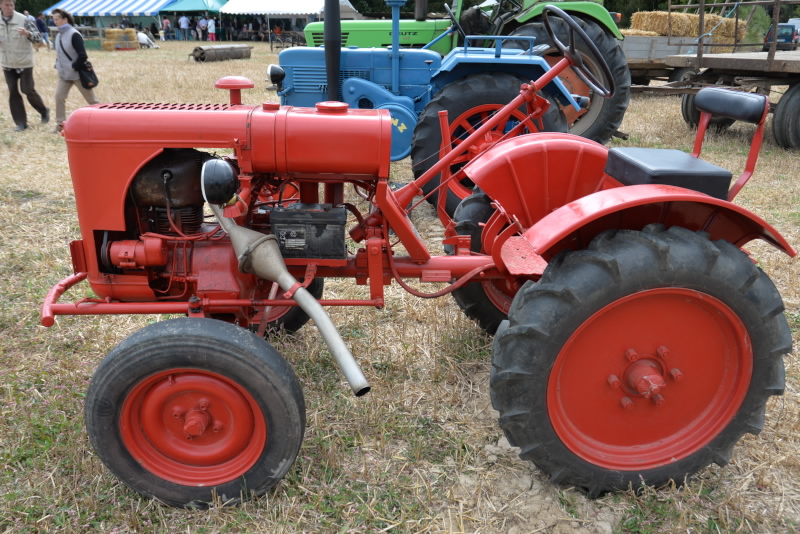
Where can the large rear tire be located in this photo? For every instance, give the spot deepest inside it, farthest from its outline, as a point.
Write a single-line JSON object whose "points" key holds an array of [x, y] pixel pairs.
{"points": [[189, 411], [786, 119], [603, 117], [469, 102], [640, 360]]}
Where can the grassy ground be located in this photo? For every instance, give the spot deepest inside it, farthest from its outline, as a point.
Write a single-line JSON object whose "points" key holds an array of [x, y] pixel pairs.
{"points": [[422, 453]]}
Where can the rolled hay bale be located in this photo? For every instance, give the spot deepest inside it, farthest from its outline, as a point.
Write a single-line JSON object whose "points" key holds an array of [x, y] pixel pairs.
{"points": [[203, 54]]}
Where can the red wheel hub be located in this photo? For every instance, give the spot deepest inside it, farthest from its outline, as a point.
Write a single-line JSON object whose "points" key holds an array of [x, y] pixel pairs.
{"points": [[193, 427], [650, 379]]}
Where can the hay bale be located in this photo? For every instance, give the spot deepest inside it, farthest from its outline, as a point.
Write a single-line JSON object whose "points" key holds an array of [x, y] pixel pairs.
{"points": [[119, 39], [684, 24], [638, 33]]}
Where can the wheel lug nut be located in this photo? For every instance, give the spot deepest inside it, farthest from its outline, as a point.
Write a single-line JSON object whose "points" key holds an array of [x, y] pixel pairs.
{"points": [[676, 374], [663, 352], [217, 426], [177, 412], [631, 355], [202, 404], [658, 399], [613, 381], [626, 403]]}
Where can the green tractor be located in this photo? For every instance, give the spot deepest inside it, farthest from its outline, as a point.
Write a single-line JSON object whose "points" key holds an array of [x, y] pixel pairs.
{"points": [[598, 121]]}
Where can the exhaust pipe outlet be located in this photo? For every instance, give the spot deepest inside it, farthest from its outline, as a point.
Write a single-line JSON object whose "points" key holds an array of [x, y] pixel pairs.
{"points": [[259, 254]]}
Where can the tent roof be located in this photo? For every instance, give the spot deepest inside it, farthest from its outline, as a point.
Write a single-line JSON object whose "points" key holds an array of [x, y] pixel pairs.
{"points": [[195, 5], [107, 8], [281, 7]]}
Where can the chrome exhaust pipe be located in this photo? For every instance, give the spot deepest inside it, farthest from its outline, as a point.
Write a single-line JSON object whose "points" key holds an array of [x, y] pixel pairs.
{"points": [[259, 254]]}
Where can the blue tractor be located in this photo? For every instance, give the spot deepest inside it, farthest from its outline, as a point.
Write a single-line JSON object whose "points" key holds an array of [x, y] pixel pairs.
{"points": [[470, 83]]}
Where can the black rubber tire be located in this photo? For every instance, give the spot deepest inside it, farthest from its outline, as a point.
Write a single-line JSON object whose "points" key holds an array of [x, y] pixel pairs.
{"points": [[294, 318], [691, 116], [472, 298], [678, 75], [604, 115], [786, 119], [235, 358], [458, 98], [578, 287]]}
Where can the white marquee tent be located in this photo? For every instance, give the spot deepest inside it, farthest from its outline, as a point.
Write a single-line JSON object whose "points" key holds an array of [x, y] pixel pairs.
{"points": [[281, 8]]}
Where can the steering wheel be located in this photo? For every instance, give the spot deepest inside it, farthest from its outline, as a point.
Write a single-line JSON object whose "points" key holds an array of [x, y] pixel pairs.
{"points": [[570, 51], [456, 24]]}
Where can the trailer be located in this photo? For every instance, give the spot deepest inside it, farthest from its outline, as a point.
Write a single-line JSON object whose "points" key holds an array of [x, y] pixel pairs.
{"points": [[751, 72], [647, 54]]}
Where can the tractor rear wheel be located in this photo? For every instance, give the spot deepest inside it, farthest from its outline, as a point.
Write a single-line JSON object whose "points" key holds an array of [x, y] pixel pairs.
{"points": [[486, 303], [469, 102], [604, 115], [641, 359], [189, 411]]}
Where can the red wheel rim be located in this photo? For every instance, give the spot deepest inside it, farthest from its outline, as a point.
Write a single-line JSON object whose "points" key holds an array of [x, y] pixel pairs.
{"points": [[193, 427], [698, 346], [467, 123]]}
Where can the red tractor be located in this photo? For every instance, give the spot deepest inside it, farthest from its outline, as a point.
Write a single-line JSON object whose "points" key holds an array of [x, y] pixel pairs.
{"points": [[635, 342]]}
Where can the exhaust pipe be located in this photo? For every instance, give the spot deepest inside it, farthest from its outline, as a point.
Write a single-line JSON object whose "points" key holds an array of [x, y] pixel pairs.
{"points": [[260, 255]]}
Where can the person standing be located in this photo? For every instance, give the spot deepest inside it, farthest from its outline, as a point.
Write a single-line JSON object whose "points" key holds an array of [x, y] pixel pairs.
{"points": [[183, 27], [166, 29], [212, 29], [41, 25], [202, 29], [17, 36], [70, 53]]}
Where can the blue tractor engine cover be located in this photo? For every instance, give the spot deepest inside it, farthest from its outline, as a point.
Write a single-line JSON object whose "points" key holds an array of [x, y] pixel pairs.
{"points": [[367, 80]]}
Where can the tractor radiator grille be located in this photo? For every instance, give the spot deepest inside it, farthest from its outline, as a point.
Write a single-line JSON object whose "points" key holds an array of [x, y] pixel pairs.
{"points": [[168, 107], [318, 38], [313, 80]]}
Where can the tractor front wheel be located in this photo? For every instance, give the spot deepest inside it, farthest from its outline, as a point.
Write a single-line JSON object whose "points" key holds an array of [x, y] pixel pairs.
{"points": [[639, 360], [191, 411], [486, 303], [469, 102]]}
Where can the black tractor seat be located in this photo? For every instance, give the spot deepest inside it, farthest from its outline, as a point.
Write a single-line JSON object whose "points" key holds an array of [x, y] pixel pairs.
{"points": [[634, 166]]}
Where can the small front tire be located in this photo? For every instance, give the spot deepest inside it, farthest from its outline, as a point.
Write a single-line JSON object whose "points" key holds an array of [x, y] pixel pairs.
{"points": [[192, 411]]}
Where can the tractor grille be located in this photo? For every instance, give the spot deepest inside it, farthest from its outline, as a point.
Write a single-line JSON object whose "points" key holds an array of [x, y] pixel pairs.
{"points": [[166, 107], [313, 79], [318, 38]]}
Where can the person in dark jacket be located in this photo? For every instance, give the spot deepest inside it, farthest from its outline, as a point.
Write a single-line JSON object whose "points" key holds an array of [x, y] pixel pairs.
{"points": [[70, 55], [41, 25]]}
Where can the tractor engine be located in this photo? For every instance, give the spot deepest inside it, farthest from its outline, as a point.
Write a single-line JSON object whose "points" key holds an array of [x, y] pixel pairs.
{"points": [[137, 172]]}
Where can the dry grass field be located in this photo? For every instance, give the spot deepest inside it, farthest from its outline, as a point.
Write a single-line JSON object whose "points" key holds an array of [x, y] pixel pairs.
{"points": [[422, 452]]}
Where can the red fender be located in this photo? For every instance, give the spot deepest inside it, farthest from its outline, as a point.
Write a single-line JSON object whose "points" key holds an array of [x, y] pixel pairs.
{"points": [[554, 185], [531, 175], [573, 225]]}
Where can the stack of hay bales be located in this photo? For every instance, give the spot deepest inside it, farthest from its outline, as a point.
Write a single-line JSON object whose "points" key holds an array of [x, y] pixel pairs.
{"points": [[687, 25], [118, 39]]}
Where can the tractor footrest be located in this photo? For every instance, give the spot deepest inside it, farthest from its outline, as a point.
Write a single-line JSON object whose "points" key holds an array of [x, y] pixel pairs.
{"points": [[635, 166]]}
